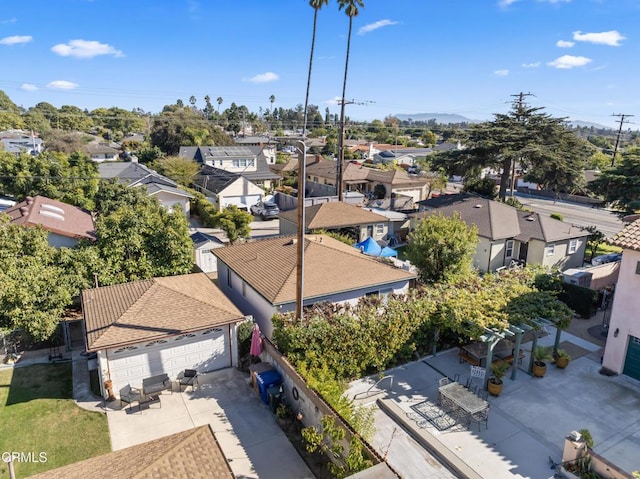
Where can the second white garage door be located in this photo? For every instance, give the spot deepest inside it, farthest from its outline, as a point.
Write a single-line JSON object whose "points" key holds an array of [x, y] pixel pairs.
{"points": [[204, 351]]}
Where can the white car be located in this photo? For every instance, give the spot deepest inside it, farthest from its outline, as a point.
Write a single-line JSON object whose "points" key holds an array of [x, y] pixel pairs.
{"points": [[265, 210]]}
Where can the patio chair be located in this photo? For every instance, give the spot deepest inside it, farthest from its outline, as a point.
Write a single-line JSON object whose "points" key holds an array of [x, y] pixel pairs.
{"points": [[189, 377], [129, 395], [479, 418], [443, 382]]}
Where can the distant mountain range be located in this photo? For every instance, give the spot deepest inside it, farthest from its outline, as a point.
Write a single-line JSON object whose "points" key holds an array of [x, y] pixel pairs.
{"points": [[446, 118], [442, 118]]}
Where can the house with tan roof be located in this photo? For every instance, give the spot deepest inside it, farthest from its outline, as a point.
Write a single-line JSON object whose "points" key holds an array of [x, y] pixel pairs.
{"points": [[622, 349], [507, 235], [340, 217], [160, 325], [260, 276], [191, 454], [66, 224]]}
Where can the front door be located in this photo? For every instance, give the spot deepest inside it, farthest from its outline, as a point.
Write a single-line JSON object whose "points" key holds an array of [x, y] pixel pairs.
{"points": [[632, 361], [522, 254]]}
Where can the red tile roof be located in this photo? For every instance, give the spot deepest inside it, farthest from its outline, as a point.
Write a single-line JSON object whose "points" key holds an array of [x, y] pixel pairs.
{"points": [[54, 216]]}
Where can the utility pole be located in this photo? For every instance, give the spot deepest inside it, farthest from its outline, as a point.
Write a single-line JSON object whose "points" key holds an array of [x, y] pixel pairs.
{"points": [[622, 117], [519, 103], [340, 162]]}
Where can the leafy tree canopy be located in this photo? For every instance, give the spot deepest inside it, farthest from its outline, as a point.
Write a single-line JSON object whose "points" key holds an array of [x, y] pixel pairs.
{"points": [[442, 248], [619, 186]]}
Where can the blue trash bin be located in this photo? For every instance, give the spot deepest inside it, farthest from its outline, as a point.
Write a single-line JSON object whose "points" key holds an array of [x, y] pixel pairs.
{"points": [[265, 380]]}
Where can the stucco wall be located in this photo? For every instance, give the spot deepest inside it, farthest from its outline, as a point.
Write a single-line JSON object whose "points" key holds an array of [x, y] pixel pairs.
{"points": [[624, 313]]}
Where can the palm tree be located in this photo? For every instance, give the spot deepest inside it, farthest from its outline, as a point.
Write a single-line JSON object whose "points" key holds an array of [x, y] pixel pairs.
{"points": [[272, 98], [316, 5], [219, 100], [351, 9]]}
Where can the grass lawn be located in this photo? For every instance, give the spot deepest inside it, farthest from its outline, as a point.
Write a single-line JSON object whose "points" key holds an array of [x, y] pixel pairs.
{"points": [[38, 415]]}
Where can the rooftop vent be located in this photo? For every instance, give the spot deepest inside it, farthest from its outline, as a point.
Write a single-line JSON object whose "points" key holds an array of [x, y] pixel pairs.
{"points": [[477, 206]]}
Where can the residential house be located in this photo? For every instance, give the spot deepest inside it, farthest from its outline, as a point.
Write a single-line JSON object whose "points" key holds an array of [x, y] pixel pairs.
{"points": [[507, 235], [159, 325], [369, 181], [20, 141], [260, 276], [168, 192], [398, 224], [170, 456], [622, 349], [225, 188], [100, 151], [202, 245], [66, 224], [251, 162], [337, 216]]}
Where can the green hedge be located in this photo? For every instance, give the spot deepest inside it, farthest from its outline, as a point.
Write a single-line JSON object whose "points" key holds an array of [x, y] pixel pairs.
{"points": [[581, 300]]}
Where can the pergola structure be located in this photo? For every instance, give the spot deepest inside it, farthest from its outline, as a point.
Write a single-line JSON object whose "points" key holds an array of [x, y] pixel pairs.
{"points": [[492, 337]]}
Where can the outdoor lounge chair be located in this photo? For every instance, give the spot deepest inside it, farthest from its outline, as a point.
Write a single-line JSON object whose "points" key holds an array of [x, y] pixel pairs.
{"points": [[189, 377], [129, 395]]}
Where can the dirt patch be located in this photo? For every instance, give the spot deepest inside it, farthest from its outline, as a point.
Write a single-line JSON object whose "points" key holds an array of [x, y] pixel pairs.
{"points": [[316, 462]]}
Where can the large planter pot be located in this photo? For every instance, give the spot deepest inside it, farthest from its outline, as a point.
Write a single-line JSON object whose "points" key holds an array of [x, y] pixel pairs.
{"points": [[539, 369], [567, 474], [562, 362], [494, 388]]}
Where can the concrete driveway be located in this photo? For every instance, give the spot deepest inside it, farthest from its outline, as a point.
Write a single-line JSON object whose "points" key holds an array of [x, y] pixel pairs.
{"points": [[253, 443], [527, 423]]}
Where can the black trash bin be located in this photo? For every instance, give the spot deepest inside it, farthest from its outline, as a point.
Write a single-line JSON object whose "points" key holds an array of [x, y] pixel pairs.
{"points": [[274, 393]]}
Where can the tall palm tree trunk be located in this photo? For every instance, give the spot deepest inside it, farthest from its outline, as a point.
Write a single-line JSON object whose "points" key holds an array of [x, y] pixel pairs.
{"points": [[340, 164]]}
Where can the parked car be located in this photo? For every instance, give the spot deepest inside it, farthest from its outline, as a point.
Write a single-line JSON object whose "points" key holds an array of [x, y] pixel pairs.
{"points": [[265, 210], [606, 258]]}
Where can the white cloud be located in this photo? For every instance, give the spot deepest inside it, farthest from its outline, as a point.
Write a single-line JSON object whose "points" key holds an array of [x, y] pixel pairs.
{"points": [[506, 3], [611, 38], [564, 44], [62, 85], [28, 87], [374, 26], [334, 101], [262, 78], [85, 49], [16, 40], [531, 65], [554, 1], [566, 62], [7, 21], [501, 73]]}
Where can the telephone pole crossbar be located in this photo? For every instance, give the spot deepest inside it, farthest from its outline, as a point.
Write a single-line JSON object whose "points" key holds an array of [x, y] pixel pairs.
{"points": [[623, 118]]}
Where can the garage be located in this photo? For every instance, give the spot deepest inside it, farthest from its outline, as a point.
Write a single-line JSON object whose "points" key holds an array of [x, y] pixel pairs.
{"points": [[203, 351], [160, 325], [632, 360]]}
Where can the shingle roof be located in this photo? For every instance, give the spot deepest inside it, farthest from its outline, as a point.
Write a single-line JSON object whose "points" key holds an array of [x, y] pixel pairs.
{"points": [[269, 267], [494, 220], [200, 239], [334, 214], [54, 216], [629, 237], [155, 308], [192, 454], [214, 179], [545, 228]]}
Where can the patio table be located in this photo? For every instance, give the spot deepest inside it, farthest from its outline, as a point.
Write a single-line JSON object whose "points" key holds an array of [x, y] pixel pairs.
{"points": [[460, 400]]}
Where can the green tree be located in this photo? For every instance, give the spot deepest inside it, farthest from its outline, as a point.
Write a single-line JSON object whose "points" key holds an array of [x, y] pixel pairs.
{"points": [[9, 121], [65, 141], [442, 248], [34, 293], [72, 118], [219, 101], [7, 105], [483, 186], [595, 239], [137, 237], [179, 169], [619, 185], [234, 222]]}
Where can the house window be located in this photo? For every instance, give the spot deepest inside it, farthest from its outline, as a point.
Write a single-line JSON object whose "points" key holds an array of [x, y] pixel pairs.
{"points": [[244, 289], [229, 279], [380, 228], [573, 246], [509, 249], [219, 162], [551, 249], [638, 267]]}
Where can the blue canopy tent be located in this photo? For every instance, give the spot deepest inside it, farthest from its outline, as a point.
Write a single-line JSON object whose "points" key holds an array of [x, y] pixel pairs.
{"points": [[370, 247]]}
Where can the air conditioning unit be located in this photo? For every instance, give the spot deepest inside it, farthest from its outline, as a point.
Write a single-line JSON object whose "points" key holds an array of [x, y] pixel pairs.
{"points": [[578, 277]]}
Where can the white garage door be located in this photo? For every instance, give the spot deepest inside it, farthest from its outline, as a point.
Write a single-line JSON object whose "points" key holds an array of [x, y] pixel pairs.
{"points": [[204, 351], [241, 201]]}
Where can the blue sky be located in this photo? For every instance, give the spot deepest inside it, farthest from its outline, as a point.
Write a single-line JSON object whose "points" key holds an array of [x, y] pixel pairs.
{"points": [[578, 57]]}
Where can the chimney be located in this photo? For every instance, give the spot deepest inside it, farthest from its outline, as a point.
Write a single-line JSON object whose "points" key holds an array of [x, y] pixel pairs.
{"points": [[24, 211], [29, 200]]}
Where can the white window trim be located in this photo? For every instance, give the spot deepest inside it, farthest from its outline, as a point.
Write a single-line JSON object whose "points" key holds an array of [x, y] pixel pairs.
{"points": [[509, 248], [573, 246], [551, 249]]}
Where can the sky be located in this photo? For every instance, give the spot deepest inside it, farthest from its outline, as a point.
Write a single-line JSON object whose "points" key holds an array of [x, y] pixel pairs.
{"points": [[575, 58]]}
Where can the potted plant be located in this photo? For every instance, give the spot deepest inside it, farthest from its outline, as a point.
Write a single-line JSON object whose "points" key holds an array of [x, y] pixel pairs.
{"points": [[562, 358], [499, 369], [540, 356]]}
